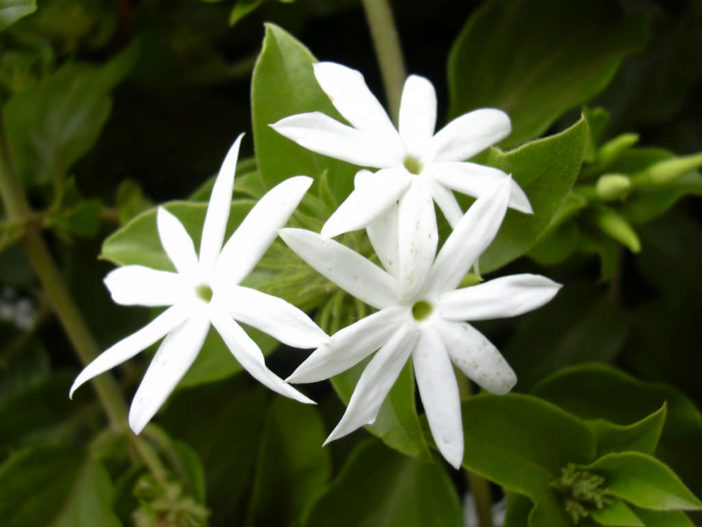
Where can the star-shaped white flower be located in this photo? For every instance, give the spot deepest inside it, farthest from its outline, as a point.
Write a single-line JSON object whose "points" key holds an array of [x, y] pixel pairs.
{"points": [[204, 290], [428, 326], [409, 157]]}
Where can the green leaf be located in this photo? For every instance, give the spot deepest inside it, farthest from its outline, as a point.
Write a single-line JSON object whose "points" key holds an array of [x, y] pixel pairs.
{"points": [[597, 391], [641, 436], [644, 481], [223, 423], [81, 220], [12, 10], [546, 169], [243, 8], [55, 486], [283, 84], [378, 487], [504, 432], [130, 201], [292, 466], [536, 59], [616, 514], [663, 518], [137, 243], [397, 423], [55, 122]]}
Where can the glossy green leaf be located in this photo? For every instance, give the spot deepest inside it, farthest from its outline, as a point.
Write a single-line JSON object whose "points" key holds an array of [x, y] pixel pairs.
{"points": [[56, 486], [55, 122], [663, 518], [597, 391], [536, 59], [378, 487], [223, 423], [617, 514], [546, 169], [504, 432], [283, 84], [12, 10], [644, 481], [641, 436], [292, 466], [518, 509], [397, 423]]}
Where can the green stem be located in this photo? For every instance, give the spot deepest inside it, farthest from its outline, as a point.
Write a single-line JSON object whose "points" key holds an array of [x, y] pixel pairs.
{"points": [[387, 47], [62, 304], [478, 485]]}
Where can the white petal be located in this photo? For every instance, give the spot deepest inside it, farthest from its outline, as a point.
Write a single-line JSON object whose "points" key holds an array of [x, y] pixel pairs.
{"points": [[382, 234], [417, 238], [272, 315], [350, 95], [346, 268], [373, 194], [376, 381], [474, 232], [417, 114], [176, 242], [126, 348], [469, 134], [508, 296], [142, 286], [477, 180], [322, 134], [476, 356], [349, 346], [173, 358], [249, 355], [439, 392], [218, 210], [257, 231], [447, 202]]}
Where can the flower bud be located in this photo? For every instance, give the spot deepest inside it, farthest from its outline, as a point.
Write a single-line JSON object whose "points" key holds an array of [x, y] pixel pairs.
{"points": [[611, 187], [668, 170]]}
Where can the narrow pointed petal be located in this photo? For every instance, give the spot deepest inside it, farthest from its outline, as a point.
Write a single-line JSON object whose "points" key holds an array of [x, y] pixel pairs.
{"points": [[508, 296], [417, 114], [126, 348], [477, 180], [471, 236], [382, 233], [349, 346], [176, 242], [173, 358], [322, 134], [417, 238], [439, 392], [218, 210], [249, 355], [350, 95], [373, 194], [376, 381], [469, 134], [346, 268], [272, 315], [257, 231], [476, 356], [447, 202], [136, 285]]}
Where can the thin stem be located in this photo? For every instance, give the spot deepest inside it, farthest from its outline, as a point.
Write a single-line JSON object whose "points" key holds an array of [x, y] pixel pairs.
{"points": [[479, 487], [62, 304], [388, 50]]}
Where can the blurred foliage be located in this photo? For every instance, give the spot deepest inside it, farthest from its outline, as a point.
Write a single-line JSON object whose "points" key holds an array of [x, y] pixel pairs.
{"points": [[111, 106]]}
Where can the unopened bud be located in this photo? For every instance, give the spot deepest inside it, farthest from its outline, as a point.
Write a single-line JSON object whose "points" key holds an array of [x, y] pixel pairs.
{"points": [[613, 148], [616, 227], [668, 170], [611, 187]]}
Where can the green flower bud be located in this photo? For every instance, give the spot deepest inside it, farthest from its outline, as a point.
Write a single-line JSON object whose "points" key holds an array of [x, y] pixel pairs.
{"points": [[617, 228], [611, 187], [668, 170], [613, 148]]}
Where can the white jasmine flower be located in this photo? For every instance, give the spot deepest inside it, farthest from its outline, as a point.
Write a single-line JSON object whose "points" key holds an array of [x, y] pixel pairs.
{"points": [[204, 290], [405, 156], [427, 326]]}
